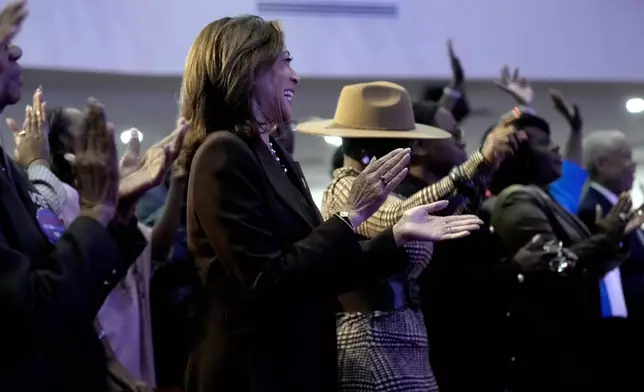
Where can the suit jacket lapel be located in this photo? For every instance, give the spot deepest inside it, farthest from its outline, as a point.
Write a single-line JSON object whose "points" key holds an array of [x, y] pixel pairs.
{"points": [[572, 220], [280, 182]]}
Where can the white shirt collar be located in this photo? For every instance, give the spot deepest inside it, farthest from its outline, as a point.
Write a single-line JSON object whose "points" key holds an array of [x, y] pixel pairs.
{"points": [[609, 195]]}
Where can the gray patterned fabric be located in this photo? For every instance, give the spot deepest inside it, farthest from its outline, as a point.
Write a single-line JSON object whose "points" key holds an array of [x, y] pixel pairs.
{"points": [[384, 352], [48, 185]]}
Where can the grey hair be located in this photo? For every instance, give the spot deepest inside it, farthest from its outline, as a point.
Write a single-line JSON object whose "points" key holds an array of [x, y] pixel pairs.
{"points": [[598, 145]]}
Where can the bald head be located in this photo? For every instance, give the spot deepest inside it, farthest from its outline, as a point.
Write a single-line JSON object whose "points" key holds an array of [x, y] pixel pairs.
{"points": [[608, 158]]}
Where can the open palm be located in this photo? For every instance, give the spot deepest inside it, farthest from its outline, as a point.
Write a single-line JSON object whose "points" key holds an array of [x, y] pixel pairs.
{"points": [[420, 225], [515, 85]]}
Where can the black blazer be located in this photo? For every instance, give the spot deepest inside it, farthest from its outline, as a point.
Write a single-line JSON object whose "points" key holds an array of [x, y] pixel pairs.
{"points": [[50, 295], [272, 271], [632, 270], [555, 318]]}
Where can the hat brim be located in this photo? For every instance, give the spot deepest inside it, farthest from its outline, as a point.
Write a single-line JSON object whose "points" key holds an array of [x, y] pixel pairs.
{"points": [[327, 128]]}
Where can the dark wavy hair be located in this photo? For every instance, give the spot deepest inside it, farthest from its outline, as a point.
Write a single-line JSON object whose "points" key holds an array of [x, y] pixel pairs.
{"points": [[219, 76], [61, 142], [517, 169]]}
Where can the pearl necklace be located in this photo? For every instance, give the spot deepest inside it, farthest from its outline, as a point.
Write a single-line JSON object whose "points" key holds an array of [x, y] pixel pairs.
{"points": [[277, 159]]}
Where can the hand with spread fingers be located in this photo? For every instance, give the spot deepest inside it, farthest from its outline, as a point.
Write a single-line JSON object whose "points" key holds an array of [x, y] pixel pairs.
{"points": [[11, 18], [519, 88], [96, 165], [374, 184], [616, 221], [140, 173], [569, 111], [504, 139], [417, 224], [32, 141], [458, 75]]}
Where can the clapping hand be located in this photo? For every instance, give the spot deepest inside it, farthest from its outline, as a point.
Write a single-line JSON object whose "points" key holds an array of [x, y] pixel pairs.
{"points": [[417, 224], [537, 254], [32, 141], [616, 221], [569, 111], [96, 165], [140, 173], [519, 88], [374, 184], [458, 75]]}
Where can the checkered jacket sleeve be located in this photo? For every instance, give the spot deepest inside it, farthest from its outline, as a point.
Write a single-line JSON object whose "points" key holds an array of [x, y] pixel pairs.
{"points": [[48, 185], [335, 196]]}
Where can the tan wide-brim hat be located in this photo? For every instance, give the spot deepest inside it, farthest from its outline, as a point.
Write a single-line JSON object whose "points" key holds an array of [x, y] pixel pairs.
{"points": [[373, 110]]}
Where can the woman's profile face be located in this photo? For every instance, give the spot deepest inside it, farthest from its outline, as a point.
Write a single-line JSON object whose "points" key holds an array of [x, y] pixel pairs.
{"points": [[274, 89], [546, 158]]}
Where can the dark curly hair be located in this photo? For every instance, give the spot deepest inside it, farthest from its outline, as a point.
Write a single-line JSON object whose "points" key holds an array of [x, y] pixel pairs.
{"points": [[219, 75], [61, 142]]}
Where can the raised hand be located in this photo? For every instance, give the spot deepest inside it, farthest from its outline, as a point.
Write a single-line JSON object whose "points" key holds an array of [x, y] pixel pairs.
{"points": [[32, 141], [371, 188], [570, 111], [458, 75], [96, 165], [615, 222], [519, 88], [11, 18], [417, 224], [140, 173], [504, 139]]}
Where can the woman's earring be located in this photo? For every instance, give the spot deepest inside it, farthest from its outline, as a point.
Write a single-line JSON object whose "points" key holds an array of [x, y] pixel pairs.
{"points": [[365, 160]]}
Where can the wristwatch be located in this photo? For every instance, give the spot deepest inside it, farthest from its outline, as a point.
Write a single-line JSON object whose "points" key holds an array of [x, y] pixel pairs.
{"points": [[344, 216]]}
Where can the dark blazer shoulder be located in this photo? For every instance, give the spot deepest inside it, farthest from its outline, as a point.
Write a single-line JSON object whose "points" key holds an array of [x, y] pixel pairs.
{"points": [[515, 195], [224, 142]]}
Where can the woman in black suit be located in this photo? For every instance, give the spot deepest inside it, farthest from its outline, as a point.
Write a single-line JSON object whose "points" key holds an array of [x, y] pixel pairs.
{"points": [[554, 315], [272, 269]]}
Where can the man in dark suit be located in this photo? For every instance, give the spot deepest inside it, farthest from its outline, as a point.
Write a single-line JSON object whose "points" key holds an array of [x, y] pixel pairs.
{"points": [[52, 281], [608, 160]]}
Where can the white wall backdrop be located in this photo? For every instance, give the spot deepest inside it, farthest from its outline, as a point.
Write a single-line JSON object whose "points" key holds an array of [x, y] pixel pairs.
{"points": [[549, 39]]}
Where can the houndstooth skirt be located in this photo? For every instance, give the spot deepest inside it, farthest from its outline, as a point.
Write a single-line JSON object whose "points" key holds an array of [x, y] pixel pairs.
{"points": [[384, 351]]}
